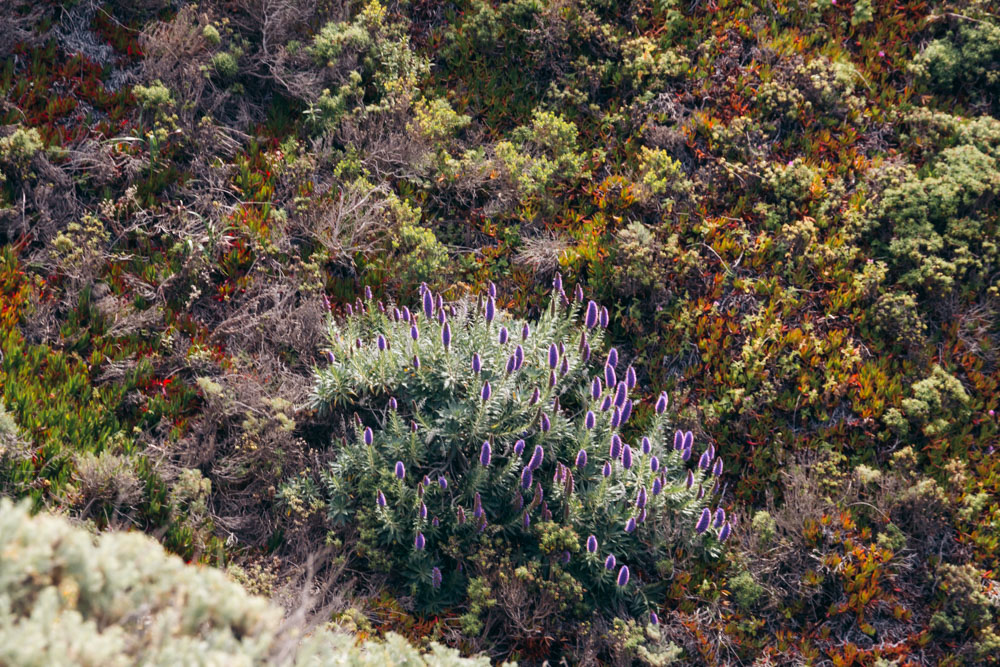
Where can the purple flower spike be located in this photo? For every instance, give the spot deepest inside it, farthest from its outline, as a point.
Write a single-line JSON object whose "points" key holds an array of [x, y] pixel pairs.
{"points": [[329, 355], [414, 426], [578, 292], [477, 364], [442, 482], [640, 500], [591, 318], [380, 498], [503, 335], [704, 461], [616, 446], [630, 525], [491, 289], [414, 332], [407, 317], [586, 352], [678, 441], [690, 480], [526, 478], [436, 577], [446, 335], [688, 439], [626, 410], [654, 464], [349, 309], [610, 378], [400, 470], [519, 447], [428, 304], [581, 458], [626, 457], [590, 420], [596, 389], [564, 366], [368, 292], [535, 395], [419, 542], [657, 486], [647, 446], [653, 618], [610, 562], [369, 437], [630, 378], [491, 309], [423, 511], [661, 404], [526, 520], [557, 284], [702, 525], [485, 453], [592, 544], [487, 391], [565, 557], [381, 342], [525, 331], [545, 423], [553, 355], [612, 359], [686, 454], [511, 363], [621, 393], [416, 362], [606, 471], [724, 533], [441, 317], [717, 467], [616, 416], [719, 518], [440, 302], [623, 575], [604, 317], [519, 357], [536, 458]]}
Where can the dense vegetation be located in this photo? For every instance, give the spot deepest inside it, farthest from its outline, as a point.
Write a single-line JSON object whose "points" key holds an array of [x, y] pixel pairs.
{"points": [[232, 235]]}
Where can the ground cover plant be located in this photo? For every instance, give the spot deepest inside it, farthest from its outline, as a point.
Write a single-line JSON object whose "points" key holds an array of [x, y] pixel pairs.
{"points": [[789, 210]]}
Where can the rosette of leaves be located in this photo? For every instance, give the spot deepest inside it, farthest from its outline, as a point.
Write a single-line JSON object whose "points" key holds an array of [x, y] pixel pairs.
{"points": [[475, 428]]}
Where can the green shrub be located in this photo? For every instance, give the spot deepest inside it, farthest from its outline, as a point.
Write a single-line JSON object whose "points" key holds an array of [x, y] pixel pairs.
{"points": [[501, 475], [67, 597], [966, 58]]}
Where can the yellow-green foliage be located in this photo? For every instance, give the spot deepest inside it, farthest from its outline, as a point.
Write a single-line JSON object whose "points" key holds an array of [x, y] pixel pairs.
{"points": [[69, 598]]}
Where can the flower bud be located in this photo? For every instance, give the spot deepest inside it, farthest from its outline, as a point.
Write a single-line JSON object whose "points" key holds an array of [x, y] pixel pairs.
{"points": [[578, 292], [491, 289], [485, 454], [589, 421], [442, 482], [623, 575], [526, 478], [428, 304], [703, 520], [414, 332], [626, 457], [423, 511], [503, 335], [717, 467], [590, 320], [525, 331], [419, 542], [630, 525], [596, 389], [640, 500], [436, 577], [609, 562], [536, 458], [581, 458], [400, 470], [557, 284], [369, 437], [407, 317], [535, 395], [612, 359], [615, 450], [654, 464], [604, 317], [606, 471], [487, 391], [657, 486], [630, 378], [519, 447], [491, 309], [661, 403], [518, 357], [553, 355], [626, 410], [545, 424], [724, 533], [380, 498], [446, 335]]}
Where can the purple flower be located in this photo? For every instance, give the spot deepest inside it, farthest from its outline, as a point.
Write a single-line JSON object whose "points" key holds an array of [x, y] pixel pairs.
{"points": [[592, 544], [553, 355], [380, 498], [621, 393], [704, 461], [724, 533], [535, 395], [623, 575], [491, 309], [578, 292], [487, 391], [581, 458], [435, 522], [612, 359], [653, 618], [526, 521], [416, 362], [640, 499], [358, 343], [678, 441], [436, 577], [630, 525], [518, 357], [688, 439], [720, 517], [419, 541], [491, 289], [686, 454], [616, 416], [564, 366], [586, 352], [477, 364], [525, 331], [657, 486], [442, 482], [606, 471], [446, 335], [609, 562], [369, 437], [690, 479], [654, 464], [604, 317], [702, 525], [330, 356], [400, 470], [349, 309], [485, 453], [557, 284], [626, 457], [414, 426], [428, 304], [536, 458], [717, 468], [591, 318], [519, 447], [647, 446], [630, 379], [610, 378], [414, 332], [381, 342], [545, 423], [441, 317], [626, 410], [503, 335], [661, 403], [616, 446], [589, 421], [565, 557], [596, 389], [526, 478], [511, 362], [711, 451], [407, 317], [423, 511]]}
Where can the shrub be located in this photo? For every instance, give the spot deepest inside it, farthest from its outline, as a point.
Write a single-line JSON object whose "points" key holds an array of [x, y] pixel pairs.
{"points": [[966, 57], [69, 598], [488, 467]]}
